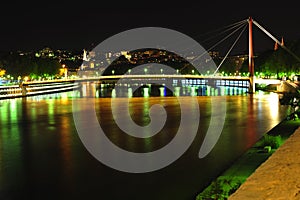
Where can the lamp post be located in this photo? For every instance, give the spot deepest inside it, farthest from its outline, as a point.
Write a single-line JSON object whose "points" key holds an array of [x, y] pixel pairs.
{"points": [[65, 71]]}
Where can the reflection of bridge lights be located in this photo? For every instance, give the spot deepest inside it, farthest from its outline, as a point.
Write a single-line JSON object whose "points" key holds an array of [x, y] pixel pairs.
{"points": [[162, 91], [146, 92], [273, 102], [129, 93], [113, 93]]}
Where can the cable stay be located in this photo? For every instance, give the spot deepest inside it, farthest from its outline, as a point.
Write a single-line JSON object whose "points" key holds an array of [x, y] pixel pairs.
{"points": [[224, 27], [219, 42], [222, 40], [239, 36], [228, 28], [277, 41]]}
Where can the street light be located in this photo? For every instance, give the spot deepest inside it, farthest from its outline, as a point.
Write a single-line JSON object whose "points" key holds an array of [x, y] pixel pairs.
{"points": [[65, 70]]}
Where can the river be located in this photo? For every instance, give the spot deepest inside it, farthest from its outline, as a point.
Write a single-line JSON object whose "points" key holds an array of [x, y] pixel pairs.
{"points": [[43, 157]]}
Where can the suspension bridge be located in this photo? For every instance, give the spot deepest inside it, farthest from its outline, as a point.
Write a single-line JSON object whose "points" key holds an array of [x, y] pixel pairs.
{"points": [[39, 87]]}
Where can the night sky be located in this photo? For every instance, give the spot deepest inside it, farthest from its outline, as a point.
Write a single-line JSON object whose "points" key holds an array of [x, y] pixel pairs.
{"points": [[77, 25]]}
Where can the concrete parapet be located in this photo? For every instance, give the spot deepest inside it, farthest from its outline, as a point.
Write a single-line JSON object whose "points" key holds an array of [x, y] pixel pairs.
{"points": [[278, 177]]}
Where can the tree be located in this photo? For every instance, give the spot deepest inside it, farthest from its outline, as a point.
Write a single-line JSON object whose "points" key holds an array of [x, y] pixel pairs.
{"points": [[2, 72]]}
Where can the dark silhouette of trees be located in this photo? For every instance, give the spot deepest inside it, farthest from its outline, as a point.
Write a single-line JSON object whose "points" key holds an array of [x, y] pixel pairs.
{"points": [[25, 65], [277, 62]]}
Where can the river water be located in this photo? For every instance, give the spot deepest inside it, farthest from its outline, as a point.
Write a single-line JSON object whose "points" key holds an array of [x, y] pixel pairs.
{"points": [[43, 157]]}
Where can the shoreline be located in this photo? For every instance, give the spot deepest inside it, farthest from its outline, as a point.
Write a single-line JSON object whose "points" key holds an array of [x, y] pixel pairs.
{"points": [[233, 177]]}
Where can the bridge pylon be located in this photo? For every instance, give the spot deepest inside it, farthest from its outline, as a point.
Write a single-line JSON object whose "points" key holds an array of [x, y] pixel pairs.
{"points": [[251, 59]]}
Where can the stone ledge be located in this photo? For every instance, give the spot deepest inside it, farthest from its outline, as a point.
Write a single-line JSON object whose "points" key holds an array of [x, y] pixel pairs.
{"points": [[278, 177]]}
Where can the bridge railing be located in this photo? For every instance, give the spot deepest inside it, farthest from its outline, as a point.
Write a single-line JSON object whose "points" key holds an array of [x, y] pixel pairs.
{"points": [[12, 91], [35, 88]]}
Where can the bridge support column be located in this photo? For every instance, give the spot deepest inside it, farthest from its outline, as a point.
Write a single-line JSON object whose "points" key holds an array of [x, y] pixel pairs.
{"points": [[24, 90], [251, 59]]}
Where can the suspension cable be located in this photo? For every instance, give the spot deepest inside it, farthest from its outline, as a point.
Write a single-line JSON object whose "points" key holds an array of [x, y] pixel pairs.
{"points": [[231, 48], [229, 27], [222, 40], [224, 27], [226, 30], [277, 41]]}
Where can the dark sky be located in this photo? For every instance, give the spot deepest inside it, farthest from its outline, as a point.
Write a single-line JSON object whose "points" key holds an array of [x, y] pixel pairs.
{"points": [[77, 25]]}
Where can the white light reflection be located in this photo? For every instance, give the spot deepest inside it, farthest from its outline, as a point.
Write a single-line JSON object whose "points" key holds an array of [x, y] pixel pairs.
{"points": [[273, 104]]}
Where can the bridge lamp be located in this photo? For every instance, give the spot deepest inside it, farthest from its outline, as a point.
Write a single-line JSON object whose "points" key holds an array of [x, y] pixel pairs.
{"points": [[112, 72], [129, 71], [193, 71], [161, 71], [145, 70], [177, 71]]}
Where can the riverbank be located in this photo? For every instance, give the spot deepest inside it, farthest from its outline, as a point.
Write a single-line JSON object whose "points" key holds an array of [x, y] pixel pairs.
{"points": [[230, 180], [278, 177]]}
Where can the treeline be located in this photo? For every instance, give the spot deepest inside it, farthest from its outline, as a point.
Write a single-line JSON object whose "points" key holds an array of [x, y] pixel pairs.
{"points": [[26, 65], [280, 62]]}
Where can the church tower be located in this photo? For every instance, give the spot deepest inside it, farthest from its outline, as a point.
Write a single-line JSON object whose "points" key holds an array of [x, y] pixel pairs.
{"points": [[84, 57]]}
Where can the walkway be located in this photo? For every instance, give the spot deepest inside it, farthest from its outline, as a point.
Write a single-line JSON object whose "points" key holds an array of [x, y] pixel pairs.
{"points": [[278, 178]]}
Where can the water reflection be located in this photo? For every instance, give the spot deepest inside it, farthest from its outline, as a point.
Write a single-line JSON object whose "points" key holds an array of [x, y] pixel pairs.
{"points": [[42, 155], [111, 90]]}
